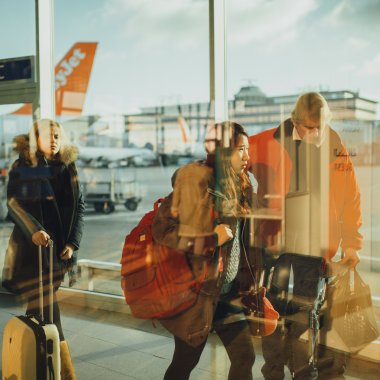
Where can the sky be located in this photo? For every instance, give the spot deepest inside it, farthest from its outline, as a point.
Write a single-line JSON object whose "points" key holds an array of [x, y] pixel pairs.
{"points": [[155, 52]]}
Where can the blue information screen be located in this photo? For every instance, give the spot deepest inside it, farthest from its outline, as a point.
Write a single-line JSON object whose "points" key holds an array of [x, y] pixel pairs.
{"points": [[15, 70]]}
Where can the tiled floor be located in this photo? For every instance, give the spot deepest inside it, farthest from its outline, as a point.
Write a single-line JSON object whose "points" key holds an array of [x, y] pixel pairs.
{"points": [[113, 346]]}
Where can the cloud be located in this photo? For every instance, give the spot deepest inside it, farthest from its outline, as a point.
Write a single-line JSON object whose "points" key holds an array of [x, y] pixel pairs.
{"points": [[361, 15], [155, 44], [371, 67], [357, 43], [348, 68], [272, 22], [160, 23], [184, 24]]}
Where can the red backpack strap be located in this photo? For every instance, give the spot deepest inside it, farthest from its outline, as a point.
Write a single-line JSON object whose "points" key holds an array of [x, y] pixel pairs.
{"points": [[157, 203]]}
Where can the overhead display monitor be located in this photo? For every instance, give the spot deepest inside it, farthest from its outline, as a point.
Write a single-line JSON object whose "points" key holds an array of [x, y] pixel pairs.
{"points": [[20, 69]]}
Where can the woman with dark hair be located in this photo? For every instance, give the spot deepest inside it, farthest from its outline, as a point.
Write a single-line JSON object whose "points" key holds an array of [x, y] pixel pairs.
{"points": [[44, 202], [202, 218]]}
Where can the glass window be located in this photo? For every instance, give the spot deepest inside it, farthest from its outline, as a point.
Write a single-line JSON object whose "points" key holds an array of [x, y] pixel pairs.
{"points": [[18, 25], [140, 115], [20, 40], [132, 93], [278, 50]]}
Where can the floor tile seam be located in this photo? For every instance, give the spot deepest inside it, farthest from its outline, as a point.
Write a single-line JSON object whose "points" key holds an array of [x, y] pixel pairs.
{"points": [[154, 355], [107, 369], [110, 369], [210, 371], [71, 332], [123, 328], [97, 338]]}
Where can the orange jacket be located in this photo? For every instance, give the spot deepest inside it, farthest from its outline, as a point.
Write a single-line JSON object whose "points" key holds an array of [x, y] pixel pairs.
{"points": [[344, 196]]}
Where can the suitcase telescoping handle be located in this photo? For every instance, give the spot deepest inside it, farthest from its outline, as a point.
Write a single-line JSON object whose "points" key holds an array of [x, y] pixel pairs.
{"points": [[41, 285]]}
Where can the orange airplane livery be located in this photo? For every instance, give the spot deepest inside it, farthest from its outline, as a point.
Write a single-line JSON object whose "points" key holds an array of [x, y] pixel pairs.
{"points": [[72, 75]]}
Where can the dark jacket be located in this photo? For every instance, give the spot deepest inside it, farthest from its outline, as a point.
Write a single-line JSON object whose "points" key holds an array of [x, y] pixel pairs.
{"points": [[197, 209], [43, 197]]}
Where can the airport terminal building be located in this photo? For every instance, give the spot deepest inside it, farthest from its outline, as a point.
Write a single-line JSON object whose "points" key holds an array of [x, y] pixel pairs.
{"points": [[162, 127]]}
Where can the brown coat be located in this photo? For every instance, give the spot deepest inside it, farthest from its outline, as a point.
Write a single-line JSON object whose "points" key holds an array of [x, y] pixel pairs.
{"points": [[197, 210]]}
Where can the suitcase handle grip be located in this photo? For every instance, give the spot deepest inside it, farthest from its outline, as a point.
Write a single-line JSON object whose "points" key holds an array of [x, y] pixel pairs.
{"points": [[41, 292]]}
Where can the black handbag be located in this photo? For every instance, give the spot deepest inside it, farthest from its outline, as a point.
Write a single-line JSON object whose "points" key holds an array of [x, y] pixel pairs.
{"points": [[351, 311]]}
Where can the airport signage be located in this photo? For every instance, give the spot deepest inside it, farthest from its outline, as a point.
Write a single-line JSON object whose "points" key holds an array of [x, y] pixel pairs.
{"points": [[17, 69], [18, 80]]}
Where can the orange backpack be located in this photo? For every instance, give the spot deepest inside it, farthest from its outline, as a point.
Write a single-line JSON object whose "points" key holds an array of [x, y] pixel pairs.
{"points": [[156, 280]]}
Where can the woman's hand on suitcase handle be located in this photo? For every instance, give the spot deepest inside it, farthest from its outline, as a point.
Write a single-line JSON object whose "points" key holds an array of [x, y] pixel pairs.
{"points": [[41, 238], [224, 233], [67, 252]]}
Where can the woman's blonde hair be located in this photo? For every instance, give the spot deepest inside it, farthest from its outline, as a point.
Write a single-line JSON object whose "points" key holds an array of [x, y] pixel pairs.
{"points": [[34, 133], [311, 105]]}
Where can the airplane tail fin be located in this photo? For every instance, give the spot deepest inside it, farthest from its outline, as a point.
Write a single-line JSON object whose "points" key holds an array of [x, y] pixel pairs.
{"points": [[72, 75], [184, 128]]}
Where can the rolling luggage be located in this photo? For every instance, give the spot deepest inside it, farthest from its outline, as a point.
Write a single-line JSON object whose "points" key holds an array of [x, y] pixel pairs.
{"points": [[31, 343]]}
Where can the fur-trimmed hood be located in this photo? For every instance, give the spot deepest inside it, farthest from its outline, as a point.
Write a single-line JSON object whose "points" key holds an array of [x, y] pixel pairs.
{"points": [[68, 155]]}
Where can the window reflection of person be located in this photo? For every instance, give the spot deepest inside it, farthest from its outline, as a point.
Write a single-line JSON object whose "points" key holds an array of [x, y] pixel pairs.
{"points": [[45, 202], [188, 220], [307, 136]]}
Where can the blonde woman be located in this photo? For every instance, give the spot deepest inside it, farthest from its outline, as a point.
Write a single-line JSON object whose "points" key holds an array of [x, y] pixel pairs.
{"points": [[44, 202]]}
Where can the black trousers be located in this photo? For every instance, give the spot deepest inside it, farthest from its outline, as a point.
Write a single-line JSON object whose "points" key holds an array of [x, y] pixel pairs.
{"points": [[283, 347], [236, 338]]}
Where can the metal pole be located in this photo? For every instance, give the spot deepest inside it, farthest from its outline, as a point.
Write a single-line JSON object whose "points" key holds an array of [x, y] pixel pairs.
{"points": [[36, 100], [45, 53], [51, 297], [40, 282], [218, 59]]}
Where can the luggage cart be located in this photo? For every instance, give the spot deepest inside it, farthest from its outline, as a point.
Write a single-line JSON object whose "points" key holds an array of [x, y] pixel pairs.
{"points": [[105, 188]]}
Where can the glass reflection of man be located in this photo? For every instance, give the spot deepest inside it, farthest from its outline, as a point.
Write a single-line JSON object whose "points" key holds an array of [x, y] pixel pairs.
{"points": [[303, 166]]}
